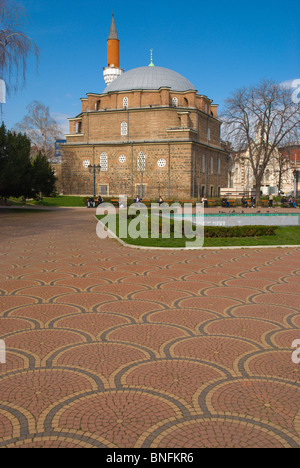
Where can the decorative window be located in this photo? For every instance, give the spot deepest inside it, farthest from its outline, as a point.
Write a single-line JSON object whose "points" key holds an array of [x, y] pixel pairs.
{"points": [[125, 101], [174, 102], [122, 159], [103, 161], [86, 163], [124, 128], [161, 162], [141, 162]]}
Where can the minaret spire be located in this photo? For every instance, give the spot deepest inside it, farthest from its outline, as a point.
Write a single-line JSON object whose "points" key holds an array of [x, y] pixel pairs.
{"points": [[113, 69], [151, 64], [113, 30]]}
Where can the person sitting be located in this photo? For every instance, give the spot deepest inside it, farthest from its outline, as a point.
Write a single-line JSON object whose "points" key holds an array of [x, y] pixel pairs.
{"points": [[292, 202], [160, 201], [225, 202], [244, 202], [137, 199], [99, 200], [204, 201]]}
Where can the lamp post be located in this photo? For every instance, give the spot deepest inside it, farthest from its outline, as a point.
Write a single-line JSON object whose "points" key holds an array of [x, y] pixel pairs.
{"points": [[94, 168], [295, 177]]}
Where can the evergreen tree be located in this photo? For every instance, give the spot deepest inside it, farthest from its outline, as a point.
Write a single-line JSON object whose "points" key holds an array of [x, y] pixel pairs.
{"points": [[43, 178], [15, 165]]}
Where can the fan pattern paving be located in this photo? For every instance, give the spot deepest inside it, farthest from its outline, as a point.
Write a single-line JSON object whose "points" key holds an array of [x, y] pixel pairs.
{"points": [[112, 347]]}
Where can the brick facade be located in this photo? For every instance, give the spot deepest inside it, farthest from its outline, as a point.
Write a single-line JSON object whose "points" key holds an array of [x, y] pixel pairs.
{"points": [[184, 156]]}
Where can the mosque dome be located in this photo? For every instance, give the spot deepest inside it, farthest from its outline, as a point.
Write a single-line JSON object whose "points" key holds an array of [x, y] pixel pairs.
{"points": [[150, 77]]}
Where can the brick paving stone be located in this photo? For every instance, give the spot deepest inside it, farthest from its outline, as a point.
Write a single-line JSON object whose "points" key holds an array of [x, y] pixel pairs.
{"points": [[113, 347]]}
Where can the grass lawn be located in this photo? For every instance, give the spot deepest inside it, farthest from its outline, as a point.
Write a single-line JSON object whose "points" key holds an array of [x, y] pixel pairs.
{"points": [[284, 236], [60, 200]]}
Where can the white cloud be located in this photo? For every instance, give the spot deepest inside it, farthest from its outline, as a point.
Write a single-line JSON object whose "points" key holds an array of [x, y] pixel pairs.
{"points": [[62, 120]]}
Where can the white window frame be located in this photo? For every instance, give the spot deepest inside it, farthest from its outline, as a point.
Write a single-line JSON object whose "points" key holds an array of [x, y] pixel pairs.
{"points": [[125, 102], [104, 162], [141, 161], [174, 102], [124, 128]]}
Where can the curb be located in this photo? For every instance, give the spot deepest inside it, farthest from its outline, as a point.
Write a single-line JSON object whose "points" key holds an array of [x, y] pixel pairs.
{"points": [[141, 247]]}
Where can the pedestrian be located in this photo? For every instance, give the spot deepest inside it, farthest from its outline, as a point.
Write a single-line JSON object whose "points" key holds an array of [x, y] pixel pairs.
{"points": [[271, 198]]}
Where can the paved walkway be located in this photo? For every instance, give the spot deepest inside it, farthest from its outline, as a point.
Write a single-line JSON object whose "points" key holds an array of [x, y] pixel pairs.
{"points": [[112, 347]]}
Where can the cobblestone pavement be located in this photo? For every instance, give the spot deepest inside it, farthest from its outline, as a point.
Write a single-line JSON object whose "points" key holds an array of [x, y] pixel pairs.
{"points": [[113, 347]]}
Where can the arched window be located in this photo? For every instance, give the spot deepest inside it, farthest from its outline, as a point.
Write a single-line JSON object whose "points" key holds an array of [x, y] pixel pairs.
{"points": [[124, 128], [97, 105], [103, 161], [141, 161], [175, 102], [186, 101], [78, 127], [125, 101]]}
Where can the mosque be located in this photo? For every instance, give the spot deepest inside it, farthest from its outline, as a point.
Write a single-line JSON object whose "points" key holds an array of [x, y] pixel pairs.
{"points": [[150, 132]]}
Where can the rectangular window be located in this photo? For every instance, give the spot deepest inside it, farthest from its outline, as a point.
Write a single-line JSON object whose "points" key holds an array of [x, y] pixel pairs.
{"points": [[211, 165], [141, 190], [103, 189], [208, 134], [219, 166], [203, 163], [124, 127]]}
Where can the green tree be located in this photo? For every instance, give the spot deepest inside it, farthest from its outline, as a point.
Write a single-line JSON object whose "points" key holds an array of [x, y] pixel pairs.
{"points": [[43, 177], [15, 164]]}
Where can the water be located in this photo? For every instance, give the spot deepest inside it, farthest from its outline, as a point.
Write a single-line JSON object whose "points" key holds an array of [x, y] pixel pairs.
{"points": [[255, 219]]}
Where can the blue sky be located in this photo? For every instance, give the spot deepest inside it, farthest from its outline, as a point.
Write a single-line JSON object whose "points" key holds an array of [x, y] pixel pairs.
{"points": [[219, 46]]}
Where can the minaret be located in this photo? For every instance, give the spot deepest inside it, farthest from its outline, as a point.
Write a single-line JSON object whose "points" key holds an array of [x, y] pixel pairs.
{"points": [[113, 70]]}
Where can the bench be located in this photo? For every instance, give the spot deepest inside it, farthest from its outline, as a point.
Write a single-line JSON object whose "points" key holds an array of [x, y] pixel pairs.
{"points": [[95, 201], [211, 202], [264, 203]]}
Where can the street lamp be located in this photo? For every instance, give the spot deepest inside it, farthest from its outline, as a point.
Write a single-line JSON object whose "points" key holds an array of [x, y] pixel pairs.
{"points": [[94, 168], [295, 174]]}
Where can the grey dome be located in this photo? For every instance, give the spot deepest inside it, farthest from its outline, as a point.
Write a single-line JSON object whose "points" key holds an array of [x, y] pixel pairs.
{"points": [[150, 78]]}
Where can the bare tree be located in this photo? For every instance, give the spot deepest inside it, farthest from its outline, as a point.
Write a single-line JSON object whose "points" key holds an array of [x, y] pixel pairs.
{"points": [[15, 44], [259, 119], [41, 128]]}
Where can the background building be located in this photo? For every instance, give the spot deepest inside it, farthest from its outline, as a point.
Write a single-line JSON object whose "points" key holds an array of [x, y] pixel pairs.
{"points": [[152, 133]]}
